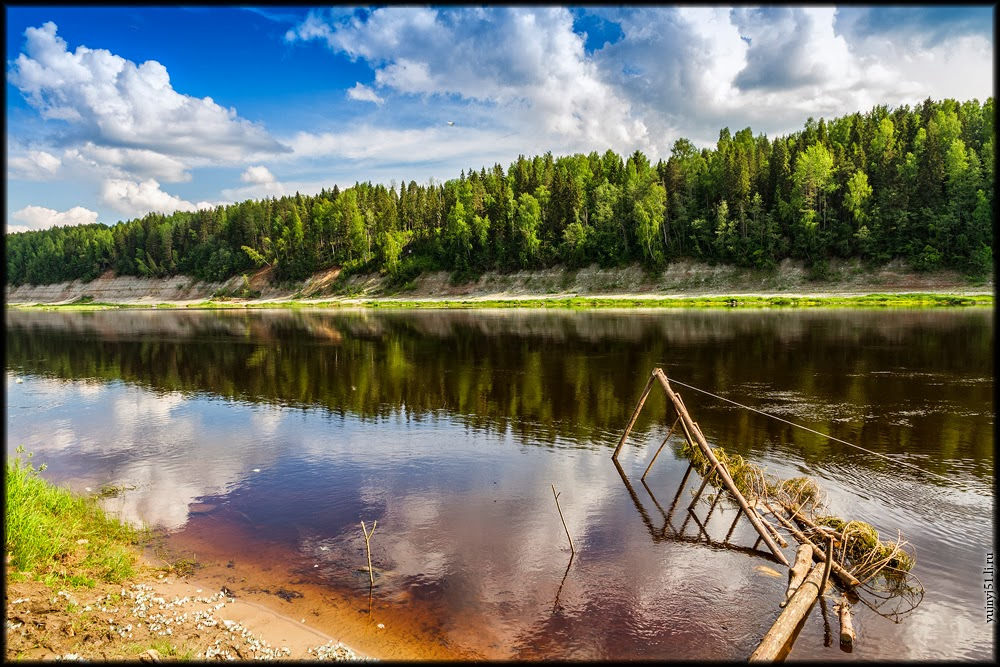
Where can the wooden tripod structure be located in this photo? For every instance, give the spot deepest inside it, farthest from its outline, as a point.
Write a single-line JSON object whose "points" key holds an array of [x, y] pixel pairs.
{"points": [[696, 438]]}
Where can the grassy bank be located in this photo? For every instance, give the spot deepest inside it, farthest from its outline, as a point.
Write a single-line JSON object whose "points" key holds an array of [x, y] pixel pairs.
{"points": [[60, 538], [890, 300], [862, 301]]}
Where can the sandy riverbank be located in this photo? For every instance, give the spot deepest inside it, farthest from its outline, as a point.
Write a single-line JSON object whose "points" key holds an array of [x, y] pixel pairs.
{"points": [[681, 280], [177, 617]]}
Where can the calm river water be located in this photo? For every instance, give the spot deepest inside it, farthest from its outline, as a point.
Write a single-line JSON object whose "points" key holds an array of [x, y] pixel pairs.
{"points": [[263, 438]]}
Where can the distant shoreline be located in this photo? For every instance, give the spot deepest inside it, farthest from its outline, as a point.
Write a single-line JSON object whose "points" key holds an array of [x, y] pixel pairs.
{"points": [[683, 284], [572, 302]]}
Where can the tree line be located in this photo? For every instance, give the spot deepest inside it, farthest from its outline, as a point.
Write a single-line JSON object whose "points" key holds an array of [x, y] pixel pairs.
{"points": [[910, 183]]}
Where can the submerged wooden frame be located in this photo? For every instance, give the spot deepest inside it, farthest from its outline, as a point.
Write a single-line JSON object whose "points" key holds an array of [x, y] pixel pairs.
{"points": [[696, 438]]}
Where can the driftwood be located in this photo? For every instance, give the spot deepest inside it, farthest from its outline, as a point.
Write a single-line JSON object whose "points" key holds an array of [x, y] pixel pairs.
{"points": [[847, 635], [845, 577], [773, 646], [797, 574]]}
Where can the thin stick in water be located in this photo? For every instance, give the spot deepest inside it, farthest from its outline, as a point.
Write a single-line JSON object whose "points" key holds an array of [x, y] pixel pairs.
{"points": [[368, 549], [556, 496]]}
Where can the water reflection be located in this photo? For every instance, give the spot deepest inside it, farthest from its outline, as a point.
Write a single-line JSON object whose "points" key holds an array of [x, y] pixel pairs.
{"points": [[278, 432]]}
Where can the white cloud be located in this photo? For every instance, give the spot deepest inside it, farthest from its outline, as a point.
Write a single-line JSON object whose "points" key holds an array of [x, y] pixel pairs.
{"points": [[262, 184], [527, 62], [257, 174], [378, 144], [258, 191], [35, 165], [134, 198], [131, 111], [692, 73], [127, 161], [39, 217], [363, 93]]}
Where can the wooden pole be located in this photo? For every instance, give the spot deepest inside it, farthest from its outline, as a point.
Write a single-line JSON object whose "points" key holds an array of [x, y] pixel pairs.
{"points": [[773, 646], [664, 444], [771, 529], [828, 564], [797, 574], [707, 451], [845, 577], [556, 496], [847, 635], [368, 549], [635, 414]]}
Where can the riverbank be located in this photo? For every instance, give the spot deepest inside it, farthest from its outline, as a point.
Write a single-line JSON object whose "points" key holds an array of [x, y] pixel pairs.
{"points": [[683, 284], [79, 587]]}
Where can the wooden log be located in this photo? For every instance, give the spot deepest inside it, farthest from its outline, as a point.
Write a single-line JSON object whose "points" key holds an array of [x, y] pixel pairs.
{"points": [[847, 635], [777, 641], [662, 445], [771, 529], [797, 573], [635, 414], [845, 577], [692, 428], [828, 564]]}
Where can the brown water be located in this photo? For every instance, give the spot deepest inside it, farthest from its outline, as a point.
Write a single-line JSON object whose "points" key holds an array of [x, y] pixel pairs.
{"points": [[264, 438]]}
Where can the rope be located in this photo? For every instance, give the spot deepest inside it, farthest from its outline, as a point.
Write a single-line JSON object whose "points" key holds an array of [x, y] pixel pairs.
{"points": [[825, 435]]}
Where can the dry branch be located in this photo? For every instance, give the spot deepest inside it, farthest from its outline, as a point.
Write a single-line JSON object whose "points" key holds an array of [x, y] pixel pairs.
{"points": [[368, 549], [556, 496]]}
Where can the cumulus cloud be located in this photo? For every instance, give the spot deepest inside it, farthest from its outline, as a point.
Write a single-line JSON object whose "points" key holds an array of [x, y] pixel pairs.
{"points": [[693, 70], [673, 72], [378, 144], [257, 174], [130, 111], [363, 93], [33, 165], [124, 161], [134, 198], [39, 217], [528, 62], [784, 51]]}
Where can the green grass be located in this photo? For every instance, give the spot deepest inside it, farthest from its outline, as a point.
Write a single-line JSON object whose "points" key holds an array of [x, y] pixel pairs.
{"points": [[911, 300], [44, 525], [865, 301]]}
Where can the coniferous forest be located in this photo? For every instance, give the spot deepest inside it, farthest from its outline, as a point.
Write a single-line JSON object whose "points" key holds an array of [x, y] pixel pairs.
{"points": [[910, 183]]}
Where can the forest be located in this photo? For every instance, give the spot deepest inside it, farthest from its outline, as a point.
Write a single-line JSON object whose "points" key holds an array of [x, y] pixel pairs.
{"points": [[904, 183]]}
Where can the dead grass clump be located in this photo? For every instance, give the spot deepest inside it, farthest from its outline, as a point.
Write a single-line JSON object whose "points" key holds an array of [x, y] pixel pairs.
{"points": [[862, 548]]}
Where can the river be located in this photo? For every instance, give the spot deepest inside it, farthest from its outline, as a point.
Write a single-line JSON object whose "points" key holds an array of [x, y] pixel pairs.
{"points": [[261, 439]]}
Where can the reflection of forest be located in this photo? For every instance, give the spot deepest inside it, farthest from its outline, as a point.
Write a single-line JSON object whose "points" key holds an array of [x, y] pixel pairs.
{"points": [[896, 381]]}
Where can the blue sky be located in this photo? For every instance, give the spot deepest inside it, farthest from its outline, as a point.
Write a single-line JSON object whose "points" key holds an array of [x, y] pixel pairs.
{"points": [[113, 112]]}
